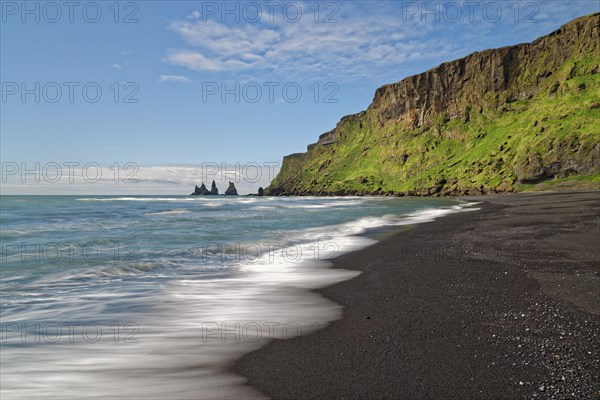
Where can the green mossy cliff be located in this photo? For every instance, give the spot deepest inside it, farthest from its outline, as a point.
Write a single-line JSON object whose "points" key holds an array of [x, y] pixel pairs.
{"points": [[494, 121]]}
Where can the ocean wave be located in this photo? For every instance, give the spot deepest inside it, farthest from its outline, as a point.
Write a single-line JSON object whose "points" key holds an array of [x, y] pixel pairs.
{"points": [[149, 199], [240, 199], [363, 224], [174, 294], [169, 212]]}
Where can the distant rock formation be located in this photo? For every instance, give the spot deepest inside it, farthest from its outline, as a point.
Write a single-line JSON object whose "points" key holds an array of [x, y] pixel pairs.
{"points": [[203, 191], [200, 191], [261, 191], [231, 190], [213, 189]]}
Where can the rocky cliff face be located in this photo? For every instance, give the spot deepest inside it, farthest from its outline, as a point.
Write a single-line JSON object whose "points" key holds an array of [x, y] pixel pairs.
{"points": [[485, 123]]}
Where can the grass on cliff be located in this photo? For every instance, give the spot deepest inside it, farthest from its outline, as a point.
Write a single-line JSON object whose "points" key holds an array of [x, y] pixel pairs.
{"points": [[491, 149]]}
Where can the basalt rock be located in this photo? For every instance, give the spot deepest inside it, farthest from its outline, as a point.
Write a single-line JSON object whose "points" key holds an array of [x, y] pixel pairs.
{"points": [[231, 190], [213, 189], [200, 191], [203, 191]]}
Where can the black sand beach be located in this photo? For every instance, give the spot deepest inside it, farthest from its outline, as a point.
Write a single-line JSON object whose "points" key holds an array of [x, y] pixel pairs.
{"points": [[501, 303]]}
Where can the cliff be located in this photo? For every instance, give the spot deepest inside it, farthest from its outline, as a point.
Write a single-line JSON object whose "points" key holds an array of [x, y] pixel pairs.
{"points": [[493, 121]]}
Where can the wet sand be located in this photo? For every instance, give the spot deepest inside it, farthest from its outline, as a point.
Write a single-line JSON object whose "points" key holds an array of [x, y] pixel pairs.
{"points": [[501, 303]]}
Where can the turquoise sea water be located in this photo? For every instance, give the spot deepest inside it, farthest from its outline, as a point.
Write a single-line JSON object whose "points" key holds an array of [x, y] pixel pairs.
{"points": [[152, 297]]}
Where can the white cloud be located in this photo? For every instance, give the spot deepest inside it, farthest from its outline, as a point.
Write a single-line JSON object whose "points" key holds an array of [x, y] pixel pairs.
{"points": [[357, 46], [173, 78], [117, 66], [156, 179], [194, 15], [193, 60], [373, 40]]}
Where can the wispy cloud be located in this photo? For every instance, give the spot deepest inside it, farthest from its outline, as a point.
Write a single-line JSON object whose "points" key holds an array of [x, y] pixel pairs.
{"points": [[372, 40], [173, 78], [357, 46], [153, 179], [194, 60], [195, 15], [123, 62]]}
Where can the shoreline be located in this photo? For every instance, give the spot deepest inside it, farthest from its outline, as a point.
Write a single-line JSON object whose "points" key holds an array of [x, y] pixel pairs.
{"points": [[496, 303]]}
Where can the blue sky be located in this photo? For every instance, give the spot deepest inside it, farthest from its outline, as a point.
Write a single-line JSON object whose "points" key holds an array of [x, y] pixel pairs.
{"points": [[162, 68]]}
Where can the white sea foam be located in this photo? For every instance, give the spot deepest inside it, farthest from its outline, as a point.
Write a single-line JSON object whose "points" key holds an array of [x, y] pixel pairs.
{"points": [[191, 329], [242, 200], [146, 199], [169, 212]]}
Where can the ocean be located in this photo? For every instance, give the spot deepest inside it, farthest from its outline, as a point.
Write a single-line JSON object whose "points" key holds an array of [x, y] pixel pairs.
{"points": [[156, 296]]}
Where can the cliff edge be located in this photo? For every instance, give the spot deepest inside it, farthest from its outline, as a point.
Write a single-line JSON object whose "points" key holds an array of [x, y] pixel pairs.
{"points": [[494, 121]]}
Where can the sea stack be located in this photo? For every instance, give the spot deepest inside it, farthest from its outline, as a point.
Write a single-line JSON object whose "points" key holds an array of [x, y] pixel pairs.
{"points": [[200, 191], [231, 190], [213, 189]]}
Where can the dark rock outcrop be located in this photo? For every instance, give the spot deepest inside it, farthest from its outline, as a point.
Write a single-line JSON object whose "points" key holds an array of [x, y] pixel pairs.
{"points": [[203, 191], [231, 190], [200, 191], [261, 191], [213, 189]]}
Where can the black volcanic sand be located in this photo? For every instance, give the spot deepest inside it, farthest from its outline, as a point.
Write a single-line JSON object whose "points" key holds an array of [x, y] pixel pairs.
{"points": [[502, 303]]}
